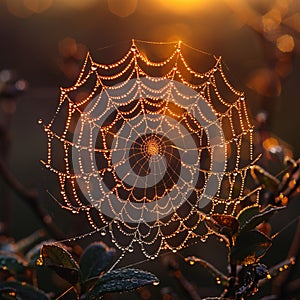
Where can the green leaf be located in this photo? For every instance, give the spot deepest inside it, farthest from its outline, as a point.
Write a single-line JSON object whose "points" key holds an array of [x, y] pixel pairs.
{"points": [[22, 291], [94, 260], [264, 215], [13, 263], [246, 214], [248, 279], [61, 261], [262, 177], [249, 247], [222, 224], [119, 281], [33, 254]]}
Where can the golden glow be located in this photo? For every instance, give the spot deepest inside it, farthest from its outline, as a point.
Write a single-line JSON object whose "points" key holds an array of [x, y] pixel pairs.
{"points": [[293, 21], [181, 6], [122, 8], [79, 3], [271, 20], [270, 142], [26, 8], [174, 66], [285, 43], [37, 6], [152, 147]]}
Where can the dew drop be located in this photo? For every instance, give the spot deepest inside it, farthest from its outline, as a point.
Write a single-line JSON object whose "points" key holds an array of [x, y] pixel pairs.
{"points": [[130, 249], [156, 283], [40, 121], [203, 239], [103, 231], [94, 68]]}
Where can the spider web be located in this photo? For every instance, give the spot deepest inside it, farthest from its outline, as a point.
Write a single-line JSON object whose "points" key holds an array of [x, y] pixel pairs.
{"points": [[148, 148]]}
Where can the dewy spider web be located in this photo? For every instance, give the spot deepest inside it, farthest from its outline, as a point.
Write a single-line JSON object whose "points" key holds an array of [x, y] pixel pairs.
{"points": [[148, 149]]}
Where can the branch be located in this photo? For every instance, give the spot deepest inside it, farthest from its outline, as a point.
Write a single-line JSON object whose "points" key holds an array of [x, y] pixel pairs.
{"points": [[281, 281], [31, 199]]}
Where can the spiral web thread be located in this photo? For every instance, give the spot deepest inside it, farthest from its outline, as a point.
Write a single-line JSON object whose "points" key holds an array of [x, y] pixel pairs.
{"points": [[151, 115]]}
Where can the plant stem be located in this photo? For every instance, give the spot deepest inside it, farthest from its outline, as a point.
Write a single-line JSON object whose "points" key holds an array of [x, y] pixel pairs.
{"points": [[31, 199]]}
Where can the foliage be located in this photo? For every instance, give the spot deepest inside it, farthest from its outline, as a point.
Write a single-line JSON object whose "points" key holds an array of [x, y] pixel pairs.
{"points": [[248, 236], [87, 277]]}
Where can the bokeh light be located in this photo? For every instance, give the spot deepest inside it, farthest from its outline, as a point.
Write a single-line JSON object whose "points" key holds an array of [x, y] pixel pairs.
{"points": [[78, 4], [26, 8], [122, 8], [285, 43], [180, 6], [37, 6]]}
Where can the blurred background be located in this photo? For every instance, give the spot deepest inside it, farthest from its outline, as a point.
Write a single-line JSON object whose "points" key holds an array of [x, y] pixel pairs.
{"points": [[44, 42]]}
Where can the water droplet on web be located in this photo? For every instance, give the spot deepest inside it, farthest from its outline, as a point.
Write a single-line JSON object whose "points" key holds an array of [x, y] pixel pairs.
{"points": [[110, 185], [156, 283], [203, 239], [130, 248], [192, 262]]}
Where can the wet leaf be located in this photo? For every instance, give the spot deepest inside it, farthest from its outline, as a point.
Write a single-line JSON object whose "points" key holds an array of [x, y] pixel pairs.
{"points": [[61, 261], [223, 224], [246, 214], [33, 254], [12, 263], [21, 291], [249, 247], [94, 260], [119, 281], [265, 179], [263, 215], [248, 279]]}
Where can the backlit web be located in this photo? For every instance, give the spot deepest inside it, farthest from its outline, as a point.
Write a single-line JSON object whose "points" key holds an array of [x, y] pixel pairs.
{"points": [[149, 147]]}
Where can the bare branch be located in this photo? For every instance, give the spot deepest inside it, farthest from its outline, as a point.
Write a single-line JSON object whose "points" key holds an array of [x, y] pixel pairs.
{"points": [[31, 199]]}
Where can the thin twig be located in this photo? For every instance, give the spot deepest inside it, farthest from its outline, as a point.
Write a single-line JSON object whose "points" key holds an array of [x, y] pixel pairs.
{"points": [[31, 199], [281, 281]]}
